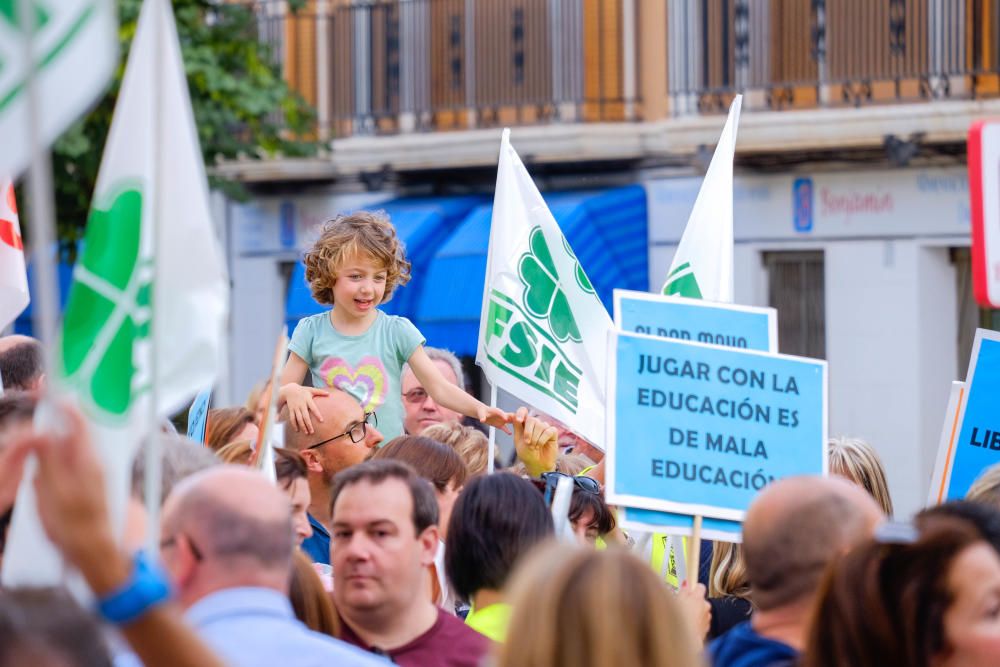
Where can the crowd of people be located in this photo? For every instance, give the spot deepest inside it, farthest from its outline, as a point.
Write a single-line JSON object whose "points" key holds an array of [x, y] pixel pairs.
{"points": [[384, 538]]}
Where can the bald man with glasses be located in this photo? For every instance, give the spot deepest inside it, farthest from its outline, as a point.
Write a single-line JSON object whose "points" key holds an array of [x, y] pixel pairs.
{"points": [[343, 435]]}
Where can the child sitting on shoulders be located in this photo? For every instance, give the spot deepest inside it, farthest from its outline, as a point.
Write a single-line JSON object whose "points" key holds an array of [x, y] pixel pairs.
{"points": [[354, 266]]}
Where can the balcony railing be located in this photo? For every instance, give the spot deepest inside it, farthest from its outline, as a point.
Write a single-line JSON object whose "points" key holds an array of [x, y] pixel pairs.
{"points": [[812, 53], [387, 66], [392, 66]]}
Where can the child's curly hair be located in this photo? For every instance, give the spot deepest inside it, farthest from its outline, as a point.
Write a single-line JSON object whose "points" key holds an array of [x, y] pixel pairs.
{"points": [[362, 232]]}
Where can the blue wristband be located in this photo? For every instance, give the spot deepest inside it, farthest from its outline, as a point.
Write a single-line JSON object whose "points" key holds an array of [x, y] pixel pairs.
{"points": [[147, 588]]}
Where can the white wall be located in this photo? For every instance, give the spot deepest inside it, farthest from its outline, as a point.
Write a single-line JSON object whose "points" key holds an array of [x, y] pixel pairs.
{"points": [[891, 294]]}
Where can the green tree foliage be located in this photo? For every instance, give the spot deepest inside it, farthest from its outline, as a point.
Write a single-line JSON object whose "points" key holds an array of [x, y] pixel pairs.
{"points": [[242, 105]]}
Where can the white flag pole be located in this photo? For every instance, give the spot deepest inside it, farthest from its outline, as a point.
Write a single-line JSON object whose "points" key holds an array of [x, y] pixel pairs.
{"points": [[154, 448], [492, 449], [40, 196], [31, 559]]}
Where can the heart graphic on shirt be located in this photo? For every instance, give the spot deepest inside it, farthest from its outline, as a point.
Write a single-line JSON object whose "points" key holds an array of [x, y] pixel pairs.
{"points": [[367, 383]]}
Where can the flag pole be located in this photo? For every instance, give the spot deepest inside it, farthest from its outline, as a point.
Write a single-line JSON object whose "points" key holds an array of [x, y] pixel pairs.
{"points": [[41, 200], [490, 462], [154, 448]]}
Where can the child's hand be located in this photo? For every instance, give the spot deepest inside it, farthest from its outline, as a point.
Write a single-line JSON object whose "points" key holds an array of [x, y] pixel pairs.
{"points": [[494, 417], [300, 403]]}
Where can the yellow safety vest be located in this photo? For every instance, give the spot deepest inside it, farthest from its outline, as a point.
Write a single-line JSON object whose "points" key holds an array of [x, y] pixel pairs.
{"points": [[659, 549]]}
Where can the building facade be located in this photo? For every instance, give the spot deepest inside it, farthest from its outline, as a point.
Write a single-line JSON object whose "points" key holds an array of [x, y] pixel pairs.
{"points": [[851, 201]]}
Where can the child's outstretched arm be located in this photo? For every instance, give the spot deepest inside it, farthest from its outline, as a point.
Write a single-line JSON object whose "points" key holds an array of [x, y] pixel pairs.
{"points": [[299, 399], [452, 397]]}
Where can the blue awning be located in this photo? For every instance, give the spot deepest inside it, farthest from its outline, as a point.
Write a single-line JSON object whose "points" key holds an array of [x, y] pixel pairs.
{"points": [[64, 275], [607, 230], [447, 241]]}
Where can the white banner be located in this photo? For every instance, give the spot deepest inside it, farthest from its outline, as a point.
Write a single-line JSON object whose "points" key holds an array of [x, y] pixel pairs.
{"points": [[543, 330], [75, 49]]}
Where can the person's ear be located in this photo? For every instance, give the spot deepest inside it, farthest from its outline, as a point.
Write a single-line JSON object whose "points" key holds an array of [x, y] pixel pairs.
{"points": [[184, 561], [429, 540], [313, 464]]}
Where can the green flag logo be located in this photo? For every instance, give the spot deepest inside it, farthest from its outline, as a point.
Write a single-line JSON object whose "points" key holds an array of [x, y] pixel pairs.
{"points": [[543, 295], [682, 282], [108, 309]]}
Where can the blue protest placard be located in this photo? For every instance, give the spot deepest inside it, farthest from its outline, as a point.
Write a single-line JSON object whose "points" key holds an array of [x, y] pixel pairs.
{"points": [[704, 321], [696, 320], [978, 443], [198, 416], [679, 524], [699, 429]]}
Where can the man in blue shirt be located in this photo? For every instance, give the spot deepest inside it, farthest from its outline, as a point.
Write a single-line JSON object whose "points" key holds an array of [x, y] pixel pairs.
{"points": [[226, 542], [792, 531], [343, 436]]}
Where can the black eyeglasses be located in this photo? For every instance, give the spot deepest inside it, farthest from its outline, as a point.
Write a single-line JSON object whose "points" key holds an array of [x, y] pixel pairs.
{"points": [[357, 432], [548, 482]]}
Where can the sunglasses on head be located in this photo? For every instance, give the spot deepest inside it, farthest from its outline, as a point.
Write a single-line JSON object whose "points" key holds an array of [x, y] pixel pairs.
{"points": [[548, 482]]}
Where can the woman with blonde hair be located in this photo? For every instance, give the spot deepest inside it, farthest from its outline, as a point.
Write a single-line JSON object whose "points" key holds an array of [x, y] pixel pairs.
{"points": [[986, 488], [470, 443], [728, 588], [575, 607], [856, 461]]}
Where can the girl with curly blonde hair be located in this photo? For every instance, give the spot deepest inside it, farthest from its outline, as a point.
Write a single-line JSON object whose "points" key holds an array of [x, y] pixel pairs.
{"points": [[355, 265]]}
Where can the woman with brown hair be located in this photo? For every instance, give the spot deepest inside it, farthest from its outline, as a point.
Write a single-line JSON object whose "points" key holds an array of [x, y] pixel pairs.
{"points": [[926, 596], [310, 600], [226, 425], [576, 607]]}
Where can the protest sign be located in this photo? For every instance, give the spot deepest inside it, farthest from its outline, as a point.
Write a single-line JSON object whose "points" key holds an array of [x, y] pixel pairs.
{"points": [[669, 523], [198, 416], [699, 429], [946, 445], [681, 318], [977, 446], [703, 321]]}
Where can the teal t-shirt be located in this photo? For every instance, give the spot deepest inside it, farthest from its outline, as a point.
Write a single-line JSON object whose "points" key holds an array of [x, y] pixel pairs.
{"points": [[368, 366]]}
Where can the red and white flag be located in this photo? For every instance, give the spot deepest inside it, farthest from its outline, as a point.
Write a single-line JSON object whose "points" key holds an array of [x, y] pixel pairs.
{"points": [[13, 276]]}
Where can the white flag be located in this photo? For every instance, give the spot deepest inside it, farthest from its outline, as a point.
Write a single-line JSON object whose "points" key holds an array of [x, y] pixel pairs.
{"points": [[151, 271], [75, 49], [703, 264], [13, 276], [543, 330]]}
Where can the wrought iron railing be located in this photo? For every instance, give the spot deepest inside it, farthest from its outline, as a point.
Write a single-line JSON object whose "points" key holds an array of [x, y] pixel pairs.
{"points": [[388, 66], [809, 53], [385, 66]]}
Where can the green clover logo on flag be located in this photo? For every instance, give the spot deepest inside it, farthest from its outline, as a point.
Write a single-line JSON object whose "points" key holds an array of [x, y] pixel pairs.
{"points": [[108, 306], [543, 296], [581, 278]]}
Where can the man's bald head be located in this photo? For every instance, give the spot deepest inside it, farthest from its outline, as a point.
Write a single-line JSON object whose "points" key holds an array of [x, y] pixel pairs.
{"points": [[21, 362], [235, 516], [795, 528], [339, 409]]}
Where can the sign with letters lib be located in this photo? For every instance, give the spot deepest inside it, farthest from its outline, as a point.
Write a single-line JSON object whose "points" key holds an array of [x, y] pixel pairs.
{"points": [[699, 429], [978, 444]]}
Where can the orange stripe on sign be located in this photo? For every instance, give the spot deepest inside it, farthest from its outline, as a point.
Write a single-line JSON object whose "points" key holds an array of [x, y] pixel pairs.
{"points": [[951, 446]]}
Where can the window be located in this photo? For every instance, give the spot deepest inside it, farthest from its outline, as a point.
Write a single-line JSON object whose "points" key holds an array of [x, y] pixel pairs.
{"points": [[796, 287]]}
